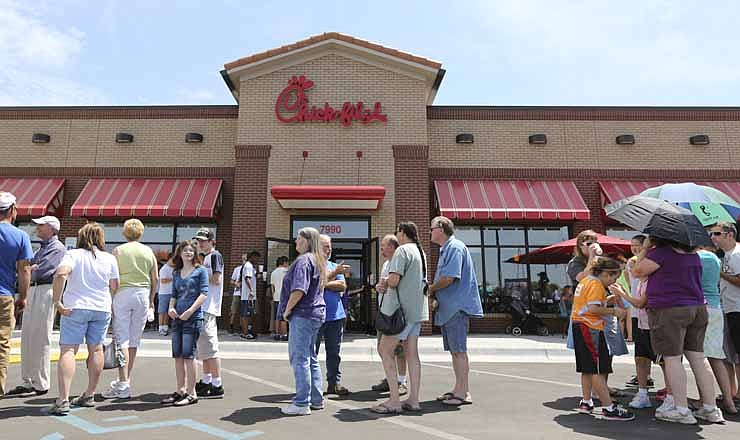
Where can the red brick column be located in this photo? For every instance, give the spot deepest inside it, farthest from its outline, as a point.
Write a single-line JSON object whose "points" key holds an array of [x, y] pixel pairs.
{"points": [[249, 213], [411, 171]]}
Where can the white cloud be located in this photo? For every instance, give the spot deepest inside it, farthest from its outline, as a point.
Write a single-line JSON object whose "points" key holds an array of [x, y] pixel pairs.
{"points": [[36, 60]]}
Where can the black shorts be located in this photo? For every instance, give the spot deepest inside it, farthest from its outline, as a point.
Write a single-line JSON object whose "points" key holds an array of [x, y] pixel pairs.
{"points": [[592, 353], [733, 328], [643, 347]]}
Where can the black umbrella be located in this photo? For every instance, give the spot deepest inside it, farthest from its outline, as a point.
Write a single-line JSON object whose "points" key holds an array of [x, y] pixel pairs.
{"points": [[660, 219]]}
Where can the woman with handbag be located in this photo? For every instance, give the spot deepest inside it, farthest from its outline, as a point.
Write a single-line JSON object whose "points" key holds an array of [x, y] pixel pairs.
{"points": [[403, 308], [302, 305], [91, 275], [189, 291]]}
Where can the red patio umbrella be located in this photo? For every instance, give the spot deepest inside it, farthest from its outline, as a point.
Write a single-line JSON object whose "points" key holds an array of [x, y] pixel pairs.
{"points": [[561, 253]]}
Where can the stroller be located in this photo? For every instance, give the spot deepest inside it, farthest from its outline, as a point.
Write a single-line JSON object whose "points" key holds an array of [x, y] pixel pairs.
{"points": [[524, 322]]}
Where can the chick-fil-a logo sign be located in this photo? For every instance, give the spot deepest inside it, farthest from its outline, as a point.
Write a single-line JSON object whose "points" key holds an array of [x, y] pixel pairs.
{"points": [[292, 106]]}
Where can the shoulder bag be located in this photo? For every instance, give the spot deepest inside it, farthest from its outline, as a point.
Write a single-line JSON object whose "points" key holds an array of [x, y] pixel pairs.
{"points": [[390, 324]]}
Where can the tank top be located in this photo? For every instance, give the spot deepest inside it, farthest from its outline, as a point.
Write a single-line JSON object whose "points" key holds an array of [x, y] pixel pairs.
{"points": [[135, 262]]}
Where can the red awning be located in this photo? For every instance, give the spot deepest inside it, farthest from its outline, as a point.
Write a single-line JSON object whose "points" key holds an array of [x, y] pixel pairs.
{"points": [[35, 197], [614, 190], [732, 189], [191, 198], [328, 196], [510, 200]]}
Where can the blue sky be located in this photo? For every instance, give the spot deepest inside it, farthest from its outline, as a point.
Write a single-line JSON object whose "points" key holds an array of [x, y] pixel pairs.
{"points": [[513, 52]]}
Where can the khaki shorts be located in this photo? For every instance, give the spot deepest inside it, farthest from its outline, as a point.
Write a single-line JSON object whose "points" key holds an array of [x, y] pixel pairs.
{"points": [[675, 330], [208, 339], [235, 302]]}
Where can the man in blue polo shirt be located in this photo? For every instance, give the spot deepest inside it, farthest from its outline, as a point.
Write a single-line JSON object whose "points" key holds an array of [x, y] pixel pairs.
{"points": [[15, 265], [456, 291], [332, 330]]}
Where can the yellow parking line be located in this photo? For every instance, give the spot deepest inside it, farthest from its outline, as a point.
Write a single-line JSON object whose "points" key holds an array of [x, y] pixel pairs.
{"points": [[80, 356]]}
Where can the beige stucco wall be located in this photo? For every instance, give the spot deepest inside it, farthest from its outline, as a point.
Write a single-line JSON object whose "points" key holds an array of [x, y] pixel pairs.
{"points": [[332, 147], [571, 144]]}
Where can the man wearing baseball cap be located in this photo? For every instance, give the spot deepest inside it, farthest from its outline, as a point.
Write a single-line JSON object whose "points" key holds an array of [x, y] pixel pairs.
{"points": [[38, 315], [15, 261]]}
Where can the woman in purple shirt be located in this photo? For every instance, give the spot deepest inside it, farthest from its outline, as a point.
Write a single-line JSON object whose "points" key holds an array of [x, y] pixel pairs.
{"points": [[678, 320], [302, 305]]}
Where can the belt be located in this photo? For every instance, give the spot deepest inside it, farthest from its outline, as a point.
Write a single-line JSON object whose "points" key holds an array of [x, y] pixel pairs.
{"points": [[41, 282]]}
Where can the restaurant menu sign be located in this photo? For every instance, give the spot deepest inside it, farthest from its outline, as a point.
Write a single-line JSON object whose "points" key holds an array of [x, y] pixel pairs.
{"points": [[292, 106]]}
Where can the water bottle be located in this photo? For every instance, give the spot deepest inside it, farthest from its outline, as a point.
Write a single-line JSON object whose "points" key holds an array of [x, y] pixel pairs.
{"points": [[150, 314], [596, 249]]}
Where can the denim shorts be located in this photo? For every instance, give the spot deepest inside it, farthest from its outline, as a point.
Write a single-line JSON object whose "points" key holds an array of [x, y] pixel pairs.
{"points": [[184, 337], [412, 329], [83, 326], [455, 333], [163, 304], [248, 308]]}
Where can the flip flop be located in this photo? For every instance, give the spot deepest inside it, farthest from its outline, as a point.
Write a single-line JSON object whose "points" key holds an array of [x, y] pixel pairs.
{"points": [[445, 396], [409, 408], [383, 409], [457, 401]]}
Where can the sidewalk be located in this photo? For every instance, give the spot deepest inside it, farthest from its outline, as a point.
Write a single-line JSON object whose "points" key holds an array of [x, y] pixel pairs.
{"points": [[359, 347]]}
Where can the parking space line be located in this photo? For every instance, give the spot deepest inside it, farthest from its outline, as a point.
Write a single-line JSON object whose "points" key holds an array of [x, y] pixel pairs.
{"points": [[392, 420], [118, 419], [53, 436], [510, 376]]}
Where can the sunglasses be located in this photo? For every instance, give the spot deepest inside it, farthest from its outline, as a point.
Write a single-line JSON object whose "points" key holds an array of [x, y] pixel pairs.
{"points": [[589, 243], [716, 233]]}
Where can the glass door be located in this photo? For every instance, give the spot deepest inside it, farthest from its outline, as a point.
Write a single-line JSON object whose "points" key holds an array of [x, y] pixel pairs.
{"points": [[274, 248]]}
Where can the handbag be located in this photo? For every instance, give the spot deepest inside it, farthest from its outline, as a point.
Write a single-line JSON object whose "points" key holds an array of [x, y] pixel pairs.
{"points": [[113, 356], [390, 324]]}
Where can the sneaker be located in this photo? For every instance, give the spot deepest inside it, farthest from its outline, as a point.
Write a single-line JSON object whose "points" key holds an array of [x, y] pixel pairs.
{"points": [[382, 387], [59, 409], [634, 382], [676, 416], [174, 397], [292, 410], [186, 400], [667, 405], [117, 391], [83, 401], [276, 337], [585, 408], [284, 338], [640, 401], [317, 407], [660, 394], [212, 392], [402, 389], [337, 389], [200, 388], [20, 390], [710, 415], [618, 413]]}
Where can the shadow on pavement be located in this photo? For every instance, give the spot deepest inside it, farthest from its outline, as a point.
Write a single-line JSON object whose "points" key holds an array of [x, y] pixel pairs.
{"points": [[644, 424], [144, 402], [274, 398], [251, 416], [13, 412], [364, 414]]}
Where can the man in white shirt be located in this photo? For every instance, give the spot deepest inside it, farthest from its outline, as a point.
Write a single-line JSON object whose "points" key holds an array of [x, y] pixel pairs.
{"points": [[236, 283], [278, 326], [249, 295], [723, 236]]}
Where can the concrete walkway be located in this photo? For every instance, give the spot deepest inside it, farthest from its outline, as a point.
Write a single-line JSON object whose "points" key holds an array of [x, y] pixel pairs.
{"points": [[361, 348]]}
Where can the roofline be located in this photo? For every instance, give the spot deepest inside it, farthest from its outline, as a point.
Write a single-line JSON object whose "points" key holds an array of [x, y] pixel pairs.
{"points": [[229, 84], [585, 113], [326, 37], [121, 112]]}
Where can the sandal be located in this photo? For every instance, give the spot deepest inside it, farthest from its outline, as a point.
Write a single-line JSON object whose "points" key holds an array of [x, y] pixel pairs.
{"points": [[410, 408], [457, 401], [384, 409], [445, 396]]}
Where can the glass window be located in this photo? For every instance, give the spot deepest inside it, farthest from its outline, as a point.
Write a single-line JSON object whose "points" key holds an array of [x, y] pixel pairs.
{"points": [[512, 270], [546, 236], [492, 279], [30, 229], [158, 233], [511, 235], [468, 235]]}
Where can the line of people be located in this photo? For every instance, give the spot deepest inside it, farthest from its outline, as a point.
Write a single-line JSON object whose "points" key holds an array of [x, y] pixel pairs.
{"points": [[679, 293]]}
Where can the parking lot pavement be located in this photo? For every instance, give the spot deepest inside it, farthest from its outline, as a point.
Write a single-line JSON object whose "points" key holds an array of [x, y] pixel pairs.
{"points": [[511, 401]]}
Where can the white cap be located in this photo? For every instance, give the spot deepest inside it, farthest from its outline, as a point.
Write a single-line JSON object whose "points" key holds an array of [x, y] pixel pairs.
{"points": [[48, 220], [6, 200]]}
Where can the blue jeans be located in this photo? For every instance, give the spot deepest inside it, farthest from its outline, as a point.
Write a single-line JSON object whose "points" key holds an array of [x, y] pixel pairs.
{"points": [[332, 332], [185, 334], [304, 361]]}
